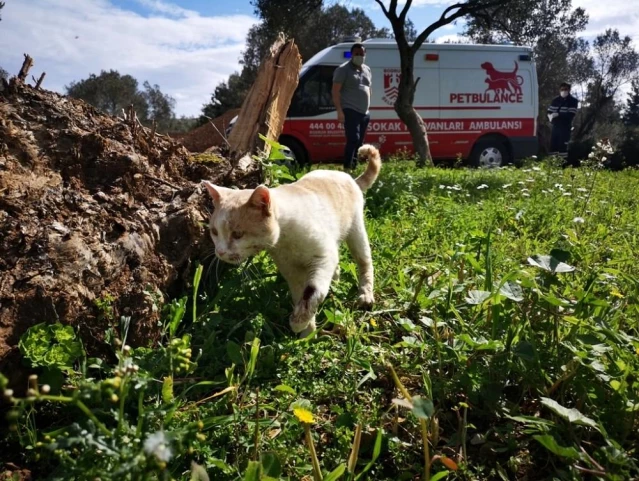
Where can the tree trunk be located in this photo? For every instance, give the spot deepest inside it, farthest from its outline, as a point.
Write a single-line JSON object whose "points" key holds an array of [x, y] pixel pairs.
{"points": [[265, 107], [407, 113]]}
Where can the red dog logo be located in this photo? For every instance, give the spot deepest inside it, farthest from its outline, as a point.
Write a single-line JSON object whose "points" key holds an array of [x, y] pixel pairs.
{"points": [[502, 82]]}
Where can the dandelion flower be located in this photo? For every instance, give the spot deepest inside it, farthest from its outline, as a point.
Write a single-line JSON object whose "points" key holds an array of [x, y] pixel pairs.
{"points": [[304, 415], [157, 444], [615, 292], [578, 220], [373, 322]]}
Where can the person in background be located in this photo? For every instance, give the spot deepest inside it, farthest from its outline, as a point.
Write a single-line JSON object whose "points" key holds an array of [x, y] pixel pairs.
{"points": [[561, 113], [352, 82]]}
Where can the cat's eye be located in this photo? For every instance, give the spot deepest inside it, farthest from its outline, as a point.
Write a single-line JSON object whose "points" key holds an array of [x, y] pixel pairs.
{"points": [[237, 235], [214, 232]]}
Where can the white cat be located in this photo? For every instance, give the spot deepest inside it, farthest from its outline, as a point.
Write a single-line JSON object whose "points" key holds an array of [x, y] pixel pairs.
{"points": [[301, 226]]}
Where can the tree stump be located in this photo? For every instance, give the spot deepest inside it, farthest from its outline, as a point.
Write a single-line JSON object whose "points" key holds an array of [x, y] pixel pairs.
{"points": [[266, 105]]}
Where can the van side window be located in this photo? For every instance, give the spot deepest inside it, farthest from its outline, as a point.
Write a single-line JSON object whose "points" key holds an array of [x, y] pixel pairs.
{"points": [[313, 94]]}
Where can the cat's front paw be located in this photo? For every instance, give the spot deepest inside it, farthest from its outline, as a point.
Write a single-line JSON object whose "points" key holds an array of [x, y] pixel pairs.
{"points": [[310, 328], [300, 321], [366, 300]]}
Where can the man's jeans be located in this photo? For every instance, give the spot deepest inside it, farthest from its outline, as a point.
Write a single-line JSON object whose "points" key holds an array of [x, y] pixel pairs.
{"points": [[355, 125]]}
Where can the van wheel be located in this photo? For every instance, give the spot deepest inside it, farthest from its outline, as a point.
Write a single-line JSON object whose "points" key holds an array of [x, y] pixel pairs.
{"points": [[297, 149], [490, 154]]}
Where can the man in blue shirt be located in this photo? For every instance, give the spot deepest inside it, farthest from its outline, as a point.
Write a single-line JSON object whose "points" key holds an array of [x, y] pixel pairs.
{"points": [[352, 82], [561, 113]]}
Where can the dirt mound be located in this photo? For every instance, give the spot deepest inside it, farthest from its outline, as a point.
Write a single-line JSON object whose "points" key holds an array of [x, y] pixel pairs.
{"points": [[207, 136], [92, 207]]}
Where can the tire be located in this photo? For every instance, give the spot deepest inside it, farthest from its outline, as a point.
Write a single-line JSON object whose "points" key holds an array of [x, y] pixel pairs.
{"points": [[490, 153], [297, 149]]}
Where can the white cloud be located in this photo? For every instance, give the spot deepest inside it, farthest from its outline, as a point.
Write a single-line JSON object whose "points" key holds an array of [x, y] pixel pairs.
{"points": [[618, 14], [454, 37], [185, 53]]}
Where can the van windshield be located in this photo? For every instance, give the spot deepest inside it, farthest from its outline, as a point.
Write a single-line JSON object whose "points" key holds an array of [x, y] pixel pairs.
{"points": [[313, 94]]}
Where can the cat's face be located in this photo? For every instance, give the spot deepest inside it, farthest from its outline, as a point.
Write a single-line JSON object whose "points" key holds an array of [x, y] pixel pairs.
{"points": [[242, 223]]}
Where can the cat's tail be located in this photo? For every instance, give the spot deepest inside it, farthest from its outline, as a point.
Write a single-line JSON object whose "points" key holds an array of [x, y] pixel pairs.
{"points": [[369, 176]]}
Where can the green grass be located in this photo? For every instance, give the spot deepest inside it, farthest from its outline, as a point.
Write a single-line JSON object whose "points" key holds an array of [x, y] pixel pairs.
{"points": [[507, 304]]}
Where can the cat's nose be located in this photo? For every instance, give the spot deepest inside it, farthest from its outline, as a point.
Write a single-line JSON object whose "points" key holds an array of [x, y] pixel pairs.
{"points": [[220, 252]]}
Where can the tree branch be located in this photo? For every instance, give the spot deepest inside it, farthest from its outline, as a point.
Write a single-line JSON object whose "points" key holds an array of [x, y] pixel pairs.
{"points": [[463, 9], [386, 12], [402, 15]]}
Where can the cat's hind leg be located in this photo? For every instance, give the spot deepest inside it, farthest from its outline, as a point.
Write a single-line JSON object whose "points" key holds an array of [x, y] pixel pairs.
{"points": [[357, 241]]}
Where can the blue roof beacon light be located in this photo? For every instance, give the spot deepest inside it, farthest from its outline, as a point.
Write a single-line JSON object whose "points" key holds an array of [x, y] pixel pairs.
{"points": [[347, 54]]}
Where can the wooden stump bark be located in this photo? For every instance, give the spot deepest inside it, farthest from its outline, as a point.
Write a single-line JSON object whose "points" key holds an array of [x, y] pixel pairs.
{"points": [[266, 105]]}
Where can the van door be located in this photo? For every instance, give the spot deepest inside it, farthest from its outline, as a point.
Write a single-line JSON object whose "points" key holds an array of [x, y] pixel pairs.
{"points": [[485, 92], [312, 119]]}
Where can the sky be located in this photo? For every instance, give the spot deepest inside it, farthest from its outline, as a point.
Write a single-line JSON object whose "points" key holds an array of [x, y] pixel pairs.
{"points": [[185, 46]]}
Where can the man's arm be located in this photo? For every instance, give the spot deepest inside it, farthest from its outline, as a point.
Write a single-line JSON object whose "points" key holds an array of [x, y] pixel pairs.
{"points": [[337, 87], [553, 110], [571, 112], [339, 77]]}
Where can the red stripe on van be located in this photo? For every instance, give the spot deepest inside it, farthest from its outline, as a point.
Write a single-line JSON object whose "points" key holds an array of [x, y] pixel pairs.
{"points": [[324, 139], [473, 107]]}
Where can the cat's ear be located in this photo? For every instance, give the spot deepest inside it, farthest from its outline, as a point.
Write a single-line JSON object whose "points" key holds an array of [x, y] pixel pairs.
{"points": [[261, 199], [214, 192]]}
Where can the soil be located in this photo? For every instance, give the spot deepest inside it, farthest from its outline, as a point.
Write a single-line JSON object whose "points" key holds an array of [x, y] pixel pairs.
{"points": [[91, 207]]}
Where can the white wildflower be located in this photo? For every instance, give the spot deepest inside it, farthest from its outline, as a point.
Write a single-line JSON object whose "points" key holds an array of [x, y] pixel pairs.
{"points": [[603, 159], [578, 220], [567, 194], [530, 180], [505, 186], [157, 445], [526, 194], [582, 189], [536, 169], [483, 186], [534, 157], [442, 186], [521, 183]]}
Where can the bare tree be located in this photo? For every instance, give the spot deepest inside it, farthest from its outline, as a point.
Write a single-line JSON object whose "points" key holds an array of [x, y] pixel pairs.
{"points": [[407, 51]]}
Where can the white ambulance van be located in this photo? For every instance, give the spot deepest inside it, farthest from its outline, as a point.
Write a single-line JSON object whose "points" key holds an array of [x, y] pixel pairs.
{"points": [[477, 101]]}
